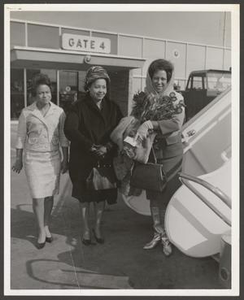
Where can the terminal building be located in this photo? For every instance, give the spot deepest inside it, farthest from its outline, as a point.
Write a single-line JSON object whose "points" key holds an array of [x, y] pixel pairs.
{"points": [[64, 53]]}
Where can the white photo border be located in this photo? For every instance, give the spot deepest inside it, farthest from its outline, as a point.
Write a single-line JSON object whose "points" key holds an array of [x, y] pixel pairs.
{"points": [[234, 9]]}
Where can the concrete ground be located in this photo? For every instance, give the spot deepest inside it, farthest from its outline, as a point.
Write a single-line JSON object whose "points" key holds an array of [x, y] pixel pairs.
{"points": [[120, 263]]}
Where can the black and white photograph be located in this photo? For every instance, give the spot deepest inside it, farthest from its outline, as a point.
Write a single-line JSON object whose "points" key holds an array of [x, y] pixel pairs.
{"points": [[121, 149]]}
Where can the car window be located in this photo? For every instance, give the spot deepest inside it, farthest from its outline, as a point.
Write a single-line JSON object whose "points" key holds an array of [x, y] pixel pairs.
{"points": [[197, 82], [219, 81]]}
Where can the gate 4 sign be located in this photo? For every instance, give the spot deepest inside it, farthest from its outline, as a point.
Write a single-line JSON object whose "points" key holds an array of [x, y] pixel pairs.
{"points": [[85, 43]]}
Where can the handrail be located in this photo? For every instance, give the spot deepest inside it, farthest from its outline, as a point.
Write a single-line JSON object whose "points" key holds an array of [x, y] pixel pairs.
{"points": [[184, 177]]}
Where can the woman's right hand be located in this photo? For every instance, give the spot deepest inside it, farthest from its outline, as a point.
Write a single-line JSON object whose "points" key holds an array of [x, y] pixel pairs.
{"points": [[142, 131], [18, 165], [99, 150]]}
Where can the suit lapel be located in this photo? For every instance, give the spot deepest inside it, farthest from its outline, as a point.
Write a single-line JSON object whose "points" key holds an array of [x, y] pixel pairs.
{"points": [[51, 109], [36, 112]]}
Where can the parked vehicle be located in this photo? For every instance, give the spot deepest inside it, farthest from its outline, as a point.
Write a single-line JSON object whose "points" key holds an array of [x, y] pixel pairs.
{"points": [[202, 87], [203, 152]]}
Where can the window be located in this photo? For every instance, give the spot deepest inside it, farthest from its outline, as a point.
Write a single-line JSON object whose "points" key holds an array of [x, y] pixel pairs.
{"points": [[43, 36], [197, 82], [219, 81], [81, 83], [68, 88], [17, 92], [17, 34]]}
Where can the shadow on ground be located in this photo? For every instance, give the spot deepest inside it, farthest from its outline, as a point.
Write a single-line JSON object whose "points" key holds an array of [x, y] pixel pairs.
{"points": [[120, 263]]}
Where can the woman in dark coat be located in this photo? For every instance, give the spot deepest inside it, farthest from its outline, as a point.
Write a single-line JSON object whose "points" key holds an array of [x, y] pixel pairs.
{"points": [[88, 127]]}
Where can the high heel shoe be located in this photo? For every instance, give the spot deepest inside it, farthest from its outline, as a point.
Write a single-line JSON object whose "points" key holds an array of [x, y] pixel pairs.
{"points": [[154, 242], [49, 239], [98, 240], [40, 245], [167, 248], [86, 241]]}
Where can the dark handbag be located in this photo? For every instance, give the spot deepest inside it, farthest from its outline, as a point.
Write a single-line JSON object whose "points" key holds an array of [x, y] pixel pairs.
{"points": [[150, 176], [101, 177]]}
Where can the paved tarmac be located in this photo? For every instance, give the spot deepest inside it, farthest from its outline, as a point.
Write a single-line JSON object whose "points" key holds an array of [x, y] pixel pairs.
{"points": [[120, 263]]}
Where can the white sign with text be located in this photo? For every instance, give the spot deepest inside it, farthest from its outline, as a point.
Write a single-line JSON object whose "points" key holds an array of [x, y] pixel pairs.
{"points": [[85, 43]]}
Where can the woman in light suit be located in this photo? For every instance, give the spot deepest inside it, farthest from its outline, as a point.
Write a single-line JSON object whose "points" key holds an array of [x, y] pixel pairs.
{"points": [[39, 139]]}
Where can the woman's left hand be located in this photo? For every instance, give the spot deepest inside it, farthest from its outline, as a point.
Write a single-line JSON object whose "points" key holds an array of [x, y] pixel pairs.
{"points": [[100, 151], [64, 166]]}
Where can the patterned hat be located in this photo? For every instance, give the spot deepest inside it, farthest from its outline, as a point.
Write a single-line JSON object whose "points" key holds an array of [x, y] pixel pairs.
{"points": [[94, 73]]}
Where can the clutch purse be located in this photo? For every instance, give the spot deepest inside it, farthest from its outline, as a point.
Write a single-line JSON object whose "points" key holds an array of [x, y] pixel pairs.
{"points": [[101, 177]]}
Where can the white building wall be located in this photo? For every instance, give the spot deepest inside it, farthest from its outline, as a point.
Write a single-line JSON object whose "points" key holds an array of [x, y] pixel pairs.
{"points": [[185, 56]]}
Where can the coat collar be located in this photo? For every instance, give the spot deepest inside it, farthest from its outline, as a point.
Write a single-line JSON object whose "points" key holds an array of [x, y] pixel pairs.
{"points": [[36, 112], [92, 104], [94, 107]]}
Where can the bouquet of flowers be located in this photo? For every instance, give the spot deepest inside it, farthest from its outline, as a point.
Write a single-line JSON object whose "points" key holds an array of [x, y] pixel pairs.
{"points": [[149, 107], [155, 107]]}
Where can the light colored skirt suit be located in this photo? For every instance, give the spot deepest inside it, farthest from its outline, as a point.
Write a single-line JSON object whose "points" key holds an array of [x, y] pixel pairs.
{"points": [[42, 171], [41, 138]]}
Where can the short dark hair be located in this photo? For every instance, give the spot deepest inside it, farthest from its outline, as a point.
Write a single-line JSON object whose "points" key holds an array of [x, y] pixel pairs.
{"points": [[161, 64], [40, 79]]}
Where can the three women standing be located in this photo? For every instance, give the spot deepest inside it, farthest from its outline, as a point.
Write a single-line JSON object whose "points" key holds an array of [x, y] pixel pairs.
{"points": [[39, 139], [88, 127]]}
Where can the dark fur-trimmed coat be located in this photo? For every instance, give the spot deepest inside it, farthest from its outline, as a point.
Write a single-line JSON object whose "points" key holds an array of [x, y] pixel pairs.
{"points": [[86, 125]]}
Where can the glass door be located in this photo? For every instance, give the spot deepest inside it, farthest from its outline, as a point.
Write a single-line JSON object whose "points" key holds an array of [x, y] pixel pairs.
{"points": [[68, 82]]}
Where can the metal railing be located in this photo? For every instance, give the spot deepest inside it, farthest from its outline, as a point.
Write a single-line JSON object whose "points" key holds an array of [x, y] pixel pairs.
{"points": [[185, 178]]}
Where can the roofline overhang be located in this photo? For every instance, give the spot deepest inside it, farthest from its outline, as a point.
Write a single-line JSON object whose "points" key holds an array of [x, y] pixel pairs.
{"points": [[211, 71], [75, 60]]}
